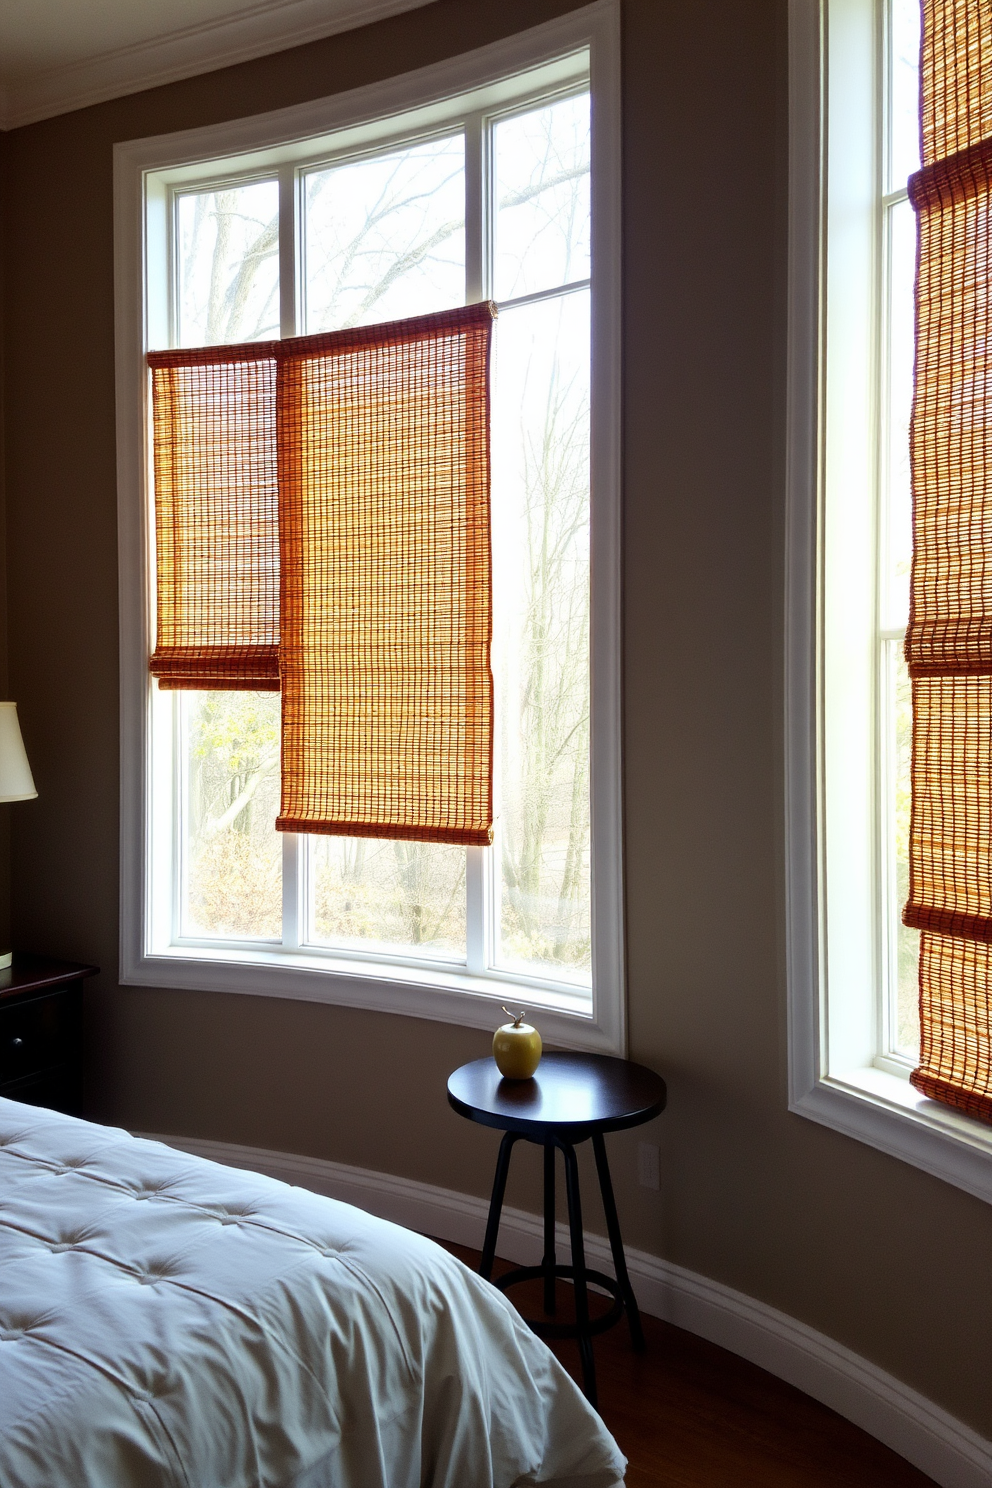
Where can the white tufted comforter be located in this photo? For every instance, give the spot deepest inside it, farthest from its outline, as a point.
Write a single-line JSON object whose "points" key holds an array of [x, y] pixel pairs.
{"points": [[168, 1321]]}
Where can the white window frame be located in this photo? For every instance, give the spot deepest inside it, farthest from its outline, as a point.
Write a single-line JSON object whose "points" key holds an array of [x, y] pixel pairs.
{"points": [[422, 100], [839, 1072]]}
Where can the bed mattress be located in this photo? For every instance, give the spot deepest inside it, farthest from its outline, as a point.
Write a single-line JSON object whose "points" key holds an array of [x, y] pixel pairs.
{"points": [[165, 1320]]}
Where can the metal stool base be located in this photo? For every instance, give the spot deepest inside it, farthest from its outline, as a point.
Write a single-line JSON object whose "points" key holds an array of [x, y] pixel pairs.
{"points": [[546, 1329], [578, 1273]]}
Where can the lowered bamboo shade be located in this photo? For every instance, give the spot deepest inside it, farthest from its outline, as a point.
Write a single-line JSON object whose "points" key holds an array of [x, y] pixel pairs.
{"points": [[387, 711], [323, 526], [216, 517], [949, 639], [955, 77]]}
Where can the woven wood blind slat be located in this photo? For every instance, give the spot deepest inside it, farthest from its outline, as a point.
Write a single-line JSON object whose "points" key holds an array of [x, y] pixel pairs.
{"points": [[386, 576], [216, 518], [949, 637]]}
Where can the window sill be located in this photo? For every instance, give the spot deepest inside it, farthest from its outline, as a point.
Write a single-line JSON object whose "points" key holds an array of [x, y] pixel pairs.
{"points": [[882, 1109], [567, 1020]]}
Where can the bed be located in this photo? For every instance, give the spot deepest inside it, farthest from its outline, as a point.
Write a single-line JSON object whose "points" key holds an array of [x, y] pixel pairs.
{"points": [[165, 1320]]}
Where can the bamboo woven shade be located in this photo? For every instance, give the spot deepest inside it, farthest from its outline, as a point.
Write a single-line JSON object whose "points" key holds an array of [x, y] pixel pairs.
{"points": [[216, 518], [949, 639], [322, 525], [955, 1047], [387, 716], [955, 77], [950, 885], [951, 598]]}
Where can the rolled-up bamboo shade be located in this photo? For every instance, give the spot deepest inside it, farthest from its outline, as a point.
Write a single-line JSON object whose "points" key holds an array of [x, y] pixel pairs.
{"points": [[950, 628], [950, 884], [216, 517], [955, 1047], [387, 719], [949, 639]]}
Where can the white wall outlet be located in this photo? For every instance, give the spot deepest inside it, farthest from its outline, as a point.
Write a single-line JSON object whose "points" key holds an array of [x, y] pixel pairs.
{"points": [[648, 1167]]}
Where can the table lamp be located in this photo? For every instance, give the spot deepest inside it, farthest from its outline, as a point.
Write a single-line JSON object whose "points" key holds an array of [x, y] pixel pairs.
{"points": [[16, 783]]}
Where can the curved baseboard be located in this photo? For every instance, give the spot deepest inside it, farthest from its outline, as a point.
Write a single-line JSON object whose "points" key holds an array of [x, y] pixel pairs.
{"points": [[944, 1448]]}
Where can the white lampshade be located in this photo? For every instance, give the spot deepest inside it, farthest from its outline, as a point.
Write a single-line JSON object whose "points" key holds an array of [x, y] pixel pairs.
{"points": [[16, 783]]}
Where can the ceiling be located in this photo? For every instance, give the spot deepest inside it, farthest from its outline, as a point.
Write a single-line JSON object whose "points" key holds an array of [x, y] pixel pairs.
{"points": [[57, 55]]}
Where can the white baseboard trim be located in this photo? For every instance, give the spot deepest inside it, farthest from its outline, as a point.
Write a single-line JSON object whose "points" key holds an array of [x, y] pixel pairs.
{"points": [[944, 1448]]}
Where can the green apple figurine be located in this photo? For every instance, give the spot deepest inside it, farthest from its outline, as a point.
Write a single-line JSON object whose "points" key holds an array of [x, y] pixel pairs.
{"points": [[516, 1048]]}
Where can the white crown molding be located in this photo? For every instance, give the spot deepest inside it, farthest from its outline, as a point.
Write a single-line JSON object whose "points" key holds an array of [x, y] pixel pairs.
{"points": [[253, 31], [937, 1443]]}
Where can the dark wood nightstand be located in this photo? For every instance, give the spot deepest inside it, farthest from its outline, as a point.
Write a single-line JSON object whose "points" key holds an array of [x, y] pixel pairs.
{"points": [[41, 1018]]}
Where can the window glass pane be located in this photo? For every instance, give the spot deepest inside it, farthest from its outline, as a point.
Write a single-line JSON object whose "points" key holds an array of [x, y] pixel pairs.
{"points": [[896, 529], [230, 850], [406, 897], [898, 506], [542, 198], [541, 636], [904, 971], [228, 270], [904, 98], [385, 237]]}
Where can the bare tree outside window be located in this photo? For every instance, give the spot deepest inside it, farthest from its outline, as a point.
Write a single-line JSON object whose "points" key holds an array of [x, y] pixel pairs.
{"points": [[228, 246], [542, 226], [233, 857], [541, 562], [384, 237], [541, 539], [379, 893]]}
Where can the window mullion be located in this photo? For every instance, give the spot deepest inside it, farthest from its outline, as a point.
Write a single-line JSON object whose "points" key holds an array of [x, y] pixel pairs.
{"points": [[180, 829], [478, 952], [477, 276], [287, 251], [478, 930], [887, 894], [172, 271], [574, 286], [293, 890], [294, 847]]}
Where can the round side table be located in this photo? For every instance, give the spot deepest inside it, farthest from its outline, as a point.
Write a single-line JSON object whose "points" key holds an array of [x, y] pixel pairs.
{"points": [[573, 1097]]}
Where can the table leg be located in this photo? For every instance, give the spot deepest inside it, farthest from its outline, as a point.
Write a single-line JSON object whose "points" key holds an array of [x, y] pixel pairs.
{"points": [[579, 1271], [496, 1204], [616, 1242], [550, 1248]]}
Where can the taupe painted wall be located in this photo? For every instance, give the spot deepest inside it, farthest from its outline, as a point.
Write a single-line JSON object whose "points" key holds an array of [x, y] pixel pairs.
{"points": [[4, 809], [867, 1249]]}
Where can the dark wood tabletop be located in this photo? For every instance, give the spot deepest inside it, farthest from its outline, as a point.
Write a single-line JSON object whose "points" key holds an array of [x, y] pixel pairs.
{"points": [[33, 973], [576, 1094]]}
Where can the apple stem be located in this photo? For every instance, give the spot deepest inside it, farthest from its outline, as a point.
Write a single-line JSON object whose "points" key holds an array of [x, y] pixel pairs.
{"points": [[518, 1018]]}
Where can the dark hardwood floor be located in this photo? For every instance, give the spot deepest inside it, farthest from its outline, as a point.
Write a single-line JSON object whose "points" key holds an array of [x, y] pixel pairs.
{"points": [[688, 1414]]}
